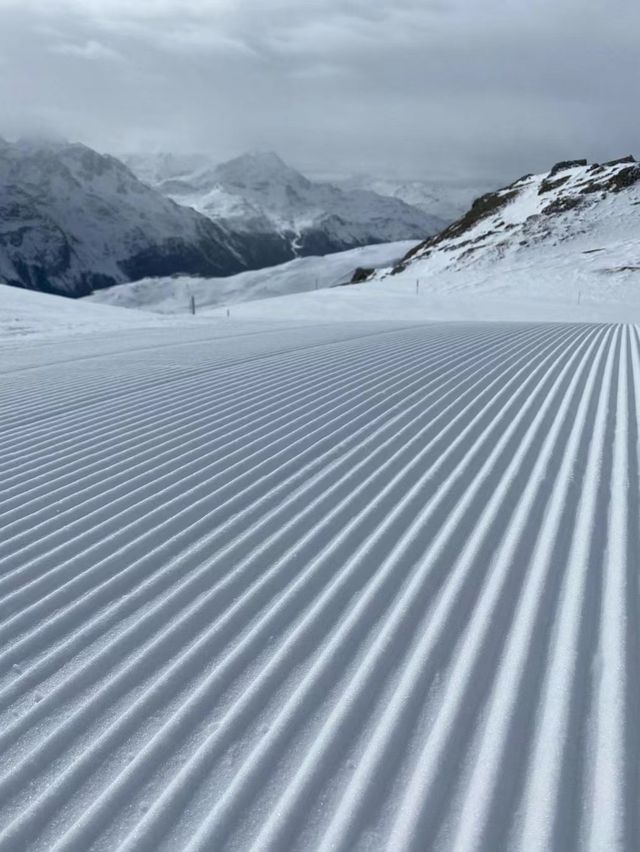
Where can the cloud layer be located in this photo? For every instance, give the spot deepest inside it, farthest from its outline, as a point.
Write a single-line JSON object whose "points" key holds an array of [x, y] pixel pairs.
{"points": [[407, 86]]}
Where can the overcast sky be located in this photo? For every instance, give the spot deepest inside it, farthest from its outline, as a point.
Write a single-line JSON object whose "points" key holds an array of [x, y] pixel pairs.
{"points": [[412, 87]]}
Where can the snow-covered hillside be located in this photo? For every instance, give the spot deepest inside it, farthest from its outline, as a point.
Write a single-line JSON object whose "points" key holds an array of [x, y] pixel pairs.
{"points": [[287, 214], [153, 168], [575, 210], [72, 220], [173, 295]]}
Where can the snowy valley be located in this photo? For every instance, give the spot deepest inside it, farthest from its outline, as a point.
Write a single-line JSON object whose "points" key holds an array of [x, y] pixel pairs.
{"points": [[174, 295]]}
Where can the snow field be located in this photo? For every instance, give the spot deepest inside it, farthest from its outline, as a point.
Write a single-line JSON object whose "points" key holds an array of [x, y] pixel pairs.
{"points": [[344, 586], [304, 274]]}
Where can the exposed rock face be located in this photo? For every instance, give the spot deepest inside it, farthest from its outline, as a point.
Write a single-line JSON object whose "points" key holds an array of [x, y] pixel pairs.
{"points": [[361, 274], [72, 221], [481, 208], [628, 159], [566, 164], [548, 184]]}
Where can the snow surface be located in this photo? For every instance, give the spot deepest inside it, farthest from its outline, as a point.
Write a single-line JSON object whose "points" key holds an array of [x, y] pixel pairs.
{"points": [[173, 295], [561, 287], [549, 281], [28, 314], [527, 230], [305, 586]]}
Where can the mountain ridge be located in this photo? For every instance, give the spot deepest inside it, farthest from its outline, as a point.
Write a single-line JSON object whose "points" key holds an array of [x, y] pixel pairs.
{"points": [[74, 220], [573, 203], [259, 193]]}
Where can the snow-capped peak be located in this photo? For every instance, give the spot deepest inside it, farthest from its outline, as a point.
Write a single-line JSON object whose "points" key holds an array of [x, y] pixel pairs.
{"points": [[74, 220], [257, 166], [258, 193]]}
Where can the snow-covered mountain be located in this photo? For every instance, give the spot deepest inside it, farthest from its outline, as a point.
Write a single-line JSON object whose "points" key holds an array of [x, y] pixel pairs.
{"points": [[73, 220], [153, 168], [579, 216], [559, 246], [287, 214]]}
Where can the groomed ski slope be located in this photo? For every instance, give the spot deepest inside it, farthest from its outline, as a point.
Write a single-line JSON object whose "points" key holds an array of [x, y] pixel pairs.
{"points": [[353, 586]]}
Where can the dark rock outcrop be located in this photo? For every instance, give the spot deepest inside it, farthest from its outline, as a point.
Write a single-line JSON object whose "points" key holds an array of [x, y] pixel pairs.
{"points": [[547, 184], [481, 208], [563, 165], [362, 274], [621, 161]]}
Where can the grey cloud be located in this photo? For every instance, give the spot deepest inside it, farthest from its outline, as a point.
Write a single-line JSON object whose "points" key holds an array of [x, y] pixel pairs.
{"points": [[411, 86], [87, 50]]}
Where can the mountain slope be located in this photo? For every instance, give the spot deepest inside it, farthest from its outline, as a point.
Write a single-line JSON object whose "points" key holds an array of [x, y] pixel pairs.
{"points": [[173, 295], [574, 209], [28, 314], [72, 220], [288, 214]]}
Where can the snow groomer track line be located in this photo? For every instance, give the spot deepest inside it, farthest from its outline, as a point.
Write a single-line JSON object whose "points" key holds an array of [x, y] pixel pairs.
{"points": [[328, 587]]}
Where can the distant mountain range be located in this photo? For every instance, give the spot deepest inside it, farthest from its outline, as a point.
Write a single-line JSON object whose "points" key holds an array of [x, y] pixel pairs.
{"points": [[445, 198], [286, 213], [73, 221]]}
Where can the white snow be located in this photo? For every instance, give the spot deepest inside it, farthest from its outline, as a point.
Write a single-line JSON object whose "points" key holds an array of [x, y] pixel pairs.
{"points": [[27, 314], [335, 586], [77, 213], [173, 295]]}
